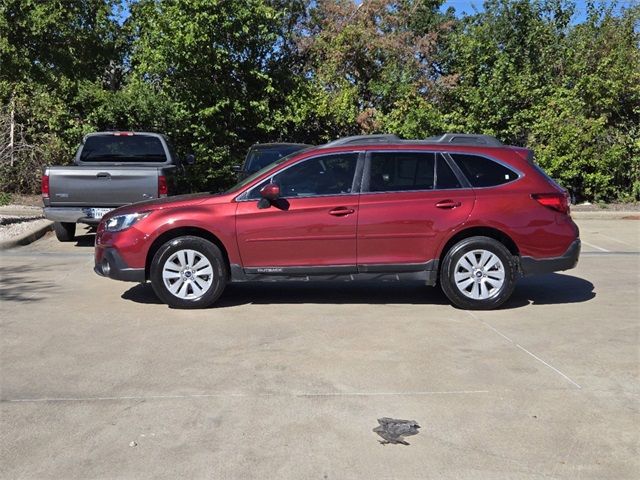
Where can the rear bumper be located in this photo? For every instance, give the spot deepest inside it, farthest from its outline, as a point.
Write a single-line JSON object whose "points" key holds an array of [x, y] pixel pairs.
{"points": [[69, 215], [567, 261], [111, 265]]}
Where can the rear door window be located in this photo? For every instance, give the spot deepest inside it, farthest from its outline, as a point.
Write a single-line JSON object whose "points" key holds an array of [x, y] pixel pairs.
{"points": [[482, 171], [123, 148], [401, 171]]}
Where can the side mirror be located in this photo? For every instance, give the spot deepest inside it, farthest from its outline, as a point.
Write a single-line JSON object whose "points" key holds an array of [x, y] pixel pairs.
{"points": [[270, 192], [190, 159]]}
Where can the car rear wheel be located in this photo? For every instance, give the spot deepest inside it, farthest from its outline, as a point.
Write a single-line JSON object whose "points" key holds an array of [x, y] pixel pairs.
{"points": [[188, 272], [478, 273], [65, 232]]}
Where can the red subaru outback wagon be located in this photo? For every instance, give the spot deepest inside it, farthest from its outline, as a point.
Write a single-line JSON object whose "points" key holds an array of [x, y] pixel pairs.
{"points": [[462, 211]]}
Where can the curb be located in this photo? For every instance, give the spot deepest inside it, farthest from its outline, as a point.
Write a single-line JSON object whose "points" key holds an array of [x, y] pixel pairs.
{"points": [[27, 237], [606, 215]]}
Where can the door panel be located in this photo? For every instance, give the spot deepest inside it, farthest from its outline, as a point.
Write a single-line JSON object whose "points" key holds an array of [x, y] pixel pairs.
{"points": [[312, 231], [314, 225], [407, 227]]}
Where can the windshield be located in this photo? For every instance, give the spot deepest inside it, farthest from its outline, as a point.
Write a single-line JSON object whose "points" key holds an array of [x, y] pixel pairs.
{"points": [[262, 171], [121, 148]]}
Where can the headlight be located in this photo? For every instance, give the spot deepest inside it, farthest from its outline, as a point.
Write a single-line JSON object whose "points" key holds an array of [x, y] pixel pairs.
{"points": [[121, 222]]}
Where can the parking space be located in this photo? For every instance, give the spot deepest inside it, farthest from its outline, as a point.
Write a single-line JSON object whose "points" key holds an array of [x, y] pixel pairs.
{"points": [[100, 380]]}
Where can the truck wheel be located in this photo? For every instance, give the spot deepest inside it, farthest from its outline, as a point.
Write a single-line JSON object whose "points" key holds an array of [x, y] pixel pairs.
{"points": [[65, 232], [478, 273], [188, 272]]}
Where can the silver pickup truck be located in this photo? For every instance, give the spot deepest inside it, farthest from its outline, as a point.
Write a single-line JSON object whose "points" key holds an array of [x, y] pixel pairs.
{"points": [[110, 169]]}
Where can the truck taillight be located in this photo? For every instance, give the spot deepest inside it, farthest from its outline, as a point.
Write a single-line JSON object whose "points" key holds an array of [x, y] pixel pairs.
{"points": [[44, 184], [163, 189], [554, 201]]}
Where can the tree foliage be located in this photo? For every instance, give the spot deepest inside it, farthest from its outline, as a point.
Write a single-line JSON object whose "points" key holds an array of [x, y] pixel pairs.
{"points": [[218, 75]]}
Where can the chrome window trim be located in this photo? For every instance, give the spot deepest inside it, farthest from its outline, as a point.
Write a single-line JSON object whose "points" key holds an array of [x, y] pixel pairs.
{"points": [[357, 182]]}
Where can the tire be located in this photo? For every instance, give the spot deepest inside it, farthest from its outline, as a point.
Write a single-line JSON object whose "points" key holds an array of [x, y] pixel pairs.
{"points": [[179, 281], [65, 232], [478, 273]]}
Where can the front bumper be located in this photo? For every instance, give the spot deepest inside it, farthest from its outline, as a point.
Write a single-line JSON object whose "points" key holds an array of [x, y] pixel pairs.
{"points": [[111, 265], [567, 261]]}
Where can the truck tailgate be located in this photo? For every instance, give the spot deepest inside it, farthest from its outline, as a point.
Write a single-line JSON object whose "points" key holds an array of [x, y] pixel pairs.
{"points": [[86, 186]]}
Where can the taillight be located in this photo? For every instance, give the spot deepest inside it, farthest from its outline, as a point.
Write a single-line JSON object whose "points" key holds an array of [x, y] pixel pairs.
{"points": [[554, 201], [44, 185], [163, 189]]}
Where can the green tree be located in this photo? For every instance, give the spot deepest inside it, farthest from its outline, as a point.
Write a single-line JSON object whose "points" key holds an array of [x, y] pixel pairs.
{"points": [[221, 65], [363, 65], [48, 51]]}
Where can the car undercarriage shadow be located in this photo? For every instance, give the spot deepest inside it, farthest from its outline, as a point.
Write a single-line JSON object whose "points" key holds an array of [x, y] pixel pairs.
{"points": [[540, 290]]}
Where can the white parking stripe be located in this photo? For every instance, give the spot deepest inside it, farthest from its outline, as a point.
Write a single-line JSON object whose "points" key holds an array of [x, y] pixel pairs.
{"points": [[522, 348], [616, 240], [242, 395], [594, 246], [548, 365]]}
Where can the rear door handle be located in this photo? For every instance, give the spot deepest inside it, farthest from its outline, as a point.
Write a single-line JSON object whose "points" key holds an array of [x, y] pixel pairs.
{"points": [[341, 211], [447, 204], [104, 175]]}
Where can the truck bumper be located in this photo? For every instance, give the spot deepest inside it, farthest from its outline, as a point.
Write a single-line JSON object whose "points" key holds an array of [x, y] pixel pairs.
{"points": [[69, 215], [110, 264], [532, 266]]}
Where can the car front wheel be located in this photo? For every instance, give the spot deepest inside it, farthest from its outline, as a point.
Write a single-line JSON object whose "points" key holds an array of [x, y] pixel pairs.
{"points": [[188, 272], [478, 273]]}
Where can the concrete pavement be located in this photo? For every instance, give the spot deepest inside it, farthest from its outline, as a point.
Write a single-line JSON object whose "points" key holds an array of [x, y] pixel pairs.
{"points": [[100, 380]]}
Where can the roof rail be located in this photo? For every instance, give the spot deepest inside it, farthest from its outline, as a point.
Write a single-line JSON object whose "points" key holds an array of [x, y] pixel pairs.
{"points": [[452, 138], [360, 139], [466, 139]]}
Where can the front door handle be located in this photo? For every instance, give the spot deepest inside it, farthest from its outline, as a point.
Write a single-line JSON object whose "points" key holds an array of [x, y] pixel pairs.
{"points": [[447, 204], [341, 211], [105, 175]]}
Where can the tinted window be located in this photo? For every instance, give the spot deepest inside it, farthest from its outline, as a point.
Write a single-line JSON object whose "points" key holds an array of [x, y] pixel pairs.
{"points": [[399, 171], [445, 178], [120, 148], [483, 172], [326, 175], [259, 158]]}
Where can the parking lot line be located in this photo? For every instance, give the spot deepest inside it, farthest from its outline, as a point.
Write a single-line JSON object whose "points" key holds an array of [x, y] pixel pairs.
{"points": [[548, 365], [595, 246], [523, 349], [616, 240], [241, 395]]}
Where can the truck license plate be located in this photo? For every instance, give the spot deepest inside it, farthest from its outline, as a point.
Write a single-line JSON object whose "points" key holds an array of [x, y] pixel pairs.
{"points": [[98, 212]]}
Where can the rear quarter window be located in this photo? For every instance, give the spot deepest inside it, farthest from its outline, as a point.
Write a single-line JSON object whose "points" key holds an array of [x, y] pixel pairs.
{"points": [[482, 171]]}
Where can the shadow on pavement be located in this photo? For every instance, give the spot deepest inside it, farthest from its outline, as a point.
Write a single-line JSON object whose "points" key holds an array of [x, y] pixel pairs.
{"points": [[22, 284], [541, 290], [550, 289], [87, 240]]}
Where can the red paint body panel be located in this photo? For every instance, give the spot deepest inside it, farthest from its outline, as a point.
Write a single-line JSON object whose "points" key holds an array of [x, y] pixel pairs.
{"points": [[407, 227], [305, 234]]}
